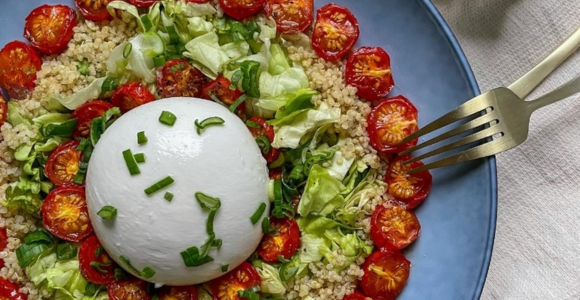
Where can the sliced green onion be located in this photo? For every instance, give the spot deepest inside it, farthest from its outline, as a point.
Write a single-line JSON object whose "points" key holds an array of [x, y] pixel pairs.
{"points": [[83, 144], [217, 244], [264, 144], [287, 271], [207, 202], [209, 224], [27, 253], [80, 175], [173, 36], [110, 84], [98, 251], [147, 25], [131, 163], [108, 212], [128, 264], [147, 272], [217, 100], [167, 118], [120, 274], [282, 259], [297, 174], [192, 258], [139, 157], [258, 213], [211, 121], [250, 82], [236, 77], [92, 289], [127, 50], [159, 61], [65, 251], [168, 196], [159, 185], [225, 267], [253, 124], [40, 236], [64, 129], [277, 190], [238, 102], [141, 138], [98, 266], [267, 228], [246, 294]]}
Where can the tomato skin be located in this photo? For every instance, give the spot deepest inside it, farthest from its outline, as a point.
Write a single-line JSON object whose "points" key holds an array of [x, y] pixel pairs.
{"points": [[241, 278], [131, 289], [241, 9], [390, 122], [143, 3], [9, 290], [19, 63], [3, 110], [335, 32], [63, 164], [178, 78], [268, 131], [3, 243], [94, 11], [220, 88], [197, 1], [178, 293], [65, 214], [131, 95], [394, 227], [291, 16], [411, 190], [57, 21], [369, 70], [356, 296], [393, 265], [87, 253], [285, 244], [86, 113]]}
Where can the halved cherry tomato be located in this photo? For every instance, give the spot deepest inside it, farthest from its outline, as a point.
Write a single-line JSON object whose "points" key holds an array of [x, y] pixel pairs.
{"points": [[131, 95], [241, 9], [284, 243], [178, 78], [49, 28], [241, 278], [335, 32], [63, 164], [220, 88], [369, 70], [86, 113], [291, 16], [356, 296], [3, 238], [94, 262], [132, 289], [394, 227], [65, 214], [275, 174], [18, 65], [3, 110], [410, 189], [9, 290], [391, 121], [178, 293], [94, 10], [264, 130], [385, 274], [143, 3]]}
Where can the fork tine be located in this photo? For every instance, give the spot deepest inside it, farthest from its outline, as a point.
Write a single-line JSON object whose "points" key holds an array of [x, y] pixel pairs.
{"points": [[466, 109], [462, 128], [464, 141]]}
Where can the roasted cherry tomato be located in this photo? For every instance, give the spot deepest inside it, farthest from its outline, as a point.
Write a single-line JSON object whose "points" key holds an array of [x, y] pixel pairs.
{"points": [[266, 130], [18, 65], [394, 227], [369, 70], [220, 88], [178, 78], [410, 189], [131, 95], [391, 121], [335, 32], [65, 214], [95, 264], [3, 110], [275, 174], [241, 9], [3, 238], [63, 164], [49, 28], [143, 3], [291, 16], [9, 291], [285, 242], [178, 293], [385, 274], [86, 113], [356, 296], [132, 289], [94, 10], [197, 1], [241, 278]]}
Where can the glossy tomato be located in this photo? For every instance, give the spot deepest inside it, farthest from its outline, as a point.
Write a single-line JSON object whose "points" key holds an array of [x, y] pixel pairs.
{"points": [[3, 110], [63, 164], [220, 88], [94, 10], [275, 173], [143, 3], [335, 32], [178, 78], [264, 129], [385, 274], [197, 1], [131, 95], [9, 290], [94, 262], [369, 70], [241, 9], [18, 66], [284, 242], [241, 278], [65, 214], [49, 28], [132, 289], [394, 227], [3, 238], [410, 189], [86, 113], [291, 16], [356, 296], [391, 121], [178, 293]]}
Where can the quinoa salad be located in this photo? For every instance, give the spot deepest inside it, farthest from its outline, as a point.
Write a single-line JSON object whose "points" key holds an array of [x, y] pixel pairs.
{"points": [[339, 208]]}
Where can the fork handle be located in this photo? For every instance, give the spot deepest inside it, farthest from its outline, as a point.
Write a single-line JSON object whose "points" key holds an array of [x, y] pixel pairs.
{"points": [[527, 83], [570, 88]]}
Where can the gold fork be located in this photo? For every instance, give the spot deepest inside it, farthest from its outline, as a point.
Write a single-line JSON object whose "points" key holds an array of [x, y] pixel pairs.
{"points": [[502, 117]]}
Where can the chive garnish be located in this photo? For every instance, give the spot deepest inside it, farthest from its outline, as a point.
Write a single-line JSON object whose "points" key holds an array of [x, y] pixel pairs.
{"points": [[207, 202], [282, 259], [131, 163], [258, 214], [211, 121], [127, 50], [192, 258], [128, 264], [141, 138], [167, 118], [253, 124], [147, 272], [159, 185], [107, 212], [246, 294], [209, 224], [98, 266], [120, 274], [139, 157], [263, 143], [225, 267], [110, 84], [168, 196], [98, 251], [237, 103], [217, 100], [267, 228], [159, 61]]}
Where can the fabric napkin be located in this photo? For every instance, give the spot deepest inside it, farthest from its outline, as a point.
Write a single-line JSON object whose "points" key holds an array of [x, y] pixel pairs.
{"points": [[537, 245]]}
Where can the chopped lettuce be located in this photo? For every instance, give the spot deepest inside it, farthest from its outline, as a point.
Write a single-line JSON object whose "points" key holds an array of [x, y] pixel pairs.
{"points": [[211, 57], [15, 118], [133, 60], [310, 248], [322, 193], [271, 282], [350, 245], [88, 93], [276, 89]]}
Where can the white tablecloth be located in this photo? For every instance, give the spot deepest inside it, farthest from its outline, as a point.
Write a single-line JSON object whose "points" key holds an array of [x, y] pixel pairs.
{"points": [[537, 245]]}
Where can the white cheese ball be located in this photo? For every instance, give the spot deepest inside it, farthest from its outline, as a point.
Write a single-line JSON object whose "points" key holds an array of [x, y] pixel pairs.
{"points": [[223, 162]]}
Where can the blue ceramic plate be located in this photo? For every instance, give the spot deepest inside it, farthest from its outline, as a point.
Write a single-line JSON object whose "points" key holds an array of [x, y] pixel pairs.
{"points": [[451, 258]]}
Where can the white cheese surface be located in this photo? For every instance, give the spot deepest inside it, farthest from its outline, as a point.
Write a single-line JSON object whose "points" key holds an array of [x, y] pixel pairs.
{"points": [[223, 162]]}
